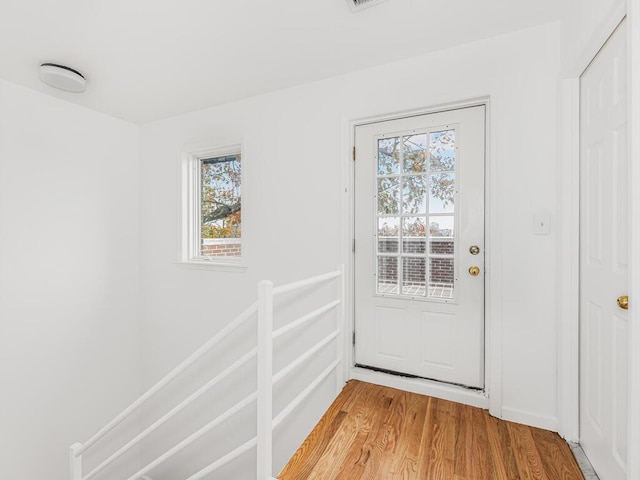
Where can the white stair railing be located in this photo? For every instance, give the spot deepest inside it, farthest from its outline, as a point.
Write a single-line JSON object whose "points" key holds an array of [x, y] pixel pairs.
{"points": [[263, 394]]}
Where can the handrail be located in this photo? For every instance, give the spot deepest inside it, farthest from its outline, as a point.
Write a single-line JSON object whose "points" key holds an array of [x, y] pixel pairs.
{"points": [[171, 413], [304, 319], [305, 356], [224, 460], [263, 396], [304, 394], [275, 423], [185, 364], [308, 282], [194, 436]]}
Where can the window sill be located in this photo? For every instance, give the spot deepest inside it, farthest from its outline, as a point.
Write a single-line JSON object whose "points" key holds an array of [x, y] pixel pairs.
{"points": [[212, 265]]}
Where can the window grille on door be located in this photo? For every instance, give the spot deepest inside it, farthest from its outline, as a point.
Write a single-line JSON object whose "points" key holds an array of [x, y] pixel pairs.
{"points": [[416, 216]]}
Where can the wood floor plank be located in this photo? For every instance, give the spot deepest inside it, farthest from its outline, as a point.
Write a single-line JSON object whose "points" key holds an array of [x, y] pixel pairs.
{"points": [[427, 433], [377, 433], [361, 419], [404, 463], [382, 448], [464, 443], [557, 458], [360, 453], [439, 457], [526, 454], [307, 456], [357, 422], [501, 451], [480, 465]]}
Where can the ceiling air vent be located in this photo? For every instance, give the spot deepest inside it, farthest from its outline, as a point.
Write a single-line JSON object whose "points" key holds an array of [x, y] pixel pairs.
{"points": [[357, 5]]}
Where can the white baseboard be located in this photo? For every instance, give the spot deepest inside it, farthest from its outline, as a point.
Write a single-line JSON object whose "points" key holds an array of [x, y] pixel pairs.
{"points": [[423, 387], [530, 419]]}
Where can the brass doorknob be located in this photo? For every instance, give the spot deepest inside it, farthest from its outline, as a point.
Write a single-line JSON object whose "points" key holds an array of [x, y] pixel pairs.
{"points": [[474, 271], [623, 302]]}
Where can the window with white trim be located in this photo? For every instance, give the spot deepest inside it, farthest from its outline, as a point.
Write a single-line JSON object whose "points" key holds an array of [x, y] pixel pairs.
{"points": [[214, 206]]}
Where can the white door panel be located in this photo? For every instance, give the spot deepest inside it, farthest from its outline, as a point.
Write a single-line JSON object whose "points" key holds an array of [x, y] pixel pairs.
{"points": [[603, 259], [419, 207]]}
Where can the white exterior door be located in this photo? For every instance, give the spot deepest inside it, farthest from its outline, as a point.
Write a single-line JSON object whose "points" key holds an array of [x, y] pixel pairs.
{"points": [[604, 256], [419, 246]]}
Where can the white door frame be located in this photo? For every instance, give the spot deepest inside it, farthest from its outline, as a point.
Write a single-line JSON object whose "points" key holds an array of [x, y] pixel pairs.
{"points": [[568, 245], [633, 467], [491, 397]]}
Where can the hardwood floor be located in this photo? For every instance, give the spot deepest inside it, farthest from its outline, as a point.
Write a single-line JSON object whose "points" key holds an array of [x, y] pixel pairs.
{"points": [[378, 433]]}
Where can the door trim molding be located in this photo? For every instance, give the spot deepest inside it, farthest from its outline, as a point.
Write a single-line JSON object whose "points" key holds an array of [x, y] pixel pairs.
{"points": [[633, 463], [569, 232], [492, 393], [597, 40], [568, 248], [568, 268]]}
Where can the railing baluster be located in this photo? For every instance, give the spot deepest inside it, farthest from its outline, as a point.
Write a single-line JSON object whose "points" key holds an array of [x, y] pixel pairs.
{"points": [[171, 413], [265, 380], [340, 320], [140, 474], [304, 357], [309, 282], [184, 365], [304, 319], [75, 461], [304, 394]]}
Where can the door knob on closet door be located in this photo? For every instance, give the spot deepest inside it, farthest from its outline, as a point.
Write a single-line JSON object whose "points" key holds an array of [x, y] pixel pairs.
{"points": [[474, 271], [623, 302]]}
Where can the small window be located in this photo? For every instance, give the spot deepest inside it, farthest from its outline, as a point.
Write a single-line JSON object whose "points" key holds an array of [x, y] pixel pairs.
{"points": [[214, 204]]}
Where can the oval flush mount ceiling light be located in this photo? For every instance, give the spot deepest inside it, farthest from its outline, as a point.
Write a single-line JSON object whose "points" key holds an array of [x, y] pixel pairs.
{"points": [[63, 78]]}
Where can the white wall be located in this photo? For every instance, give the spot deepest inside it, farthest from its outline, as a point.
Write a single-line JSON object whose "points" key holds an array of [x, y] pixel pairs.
{"points": [[69, 278], [585, 26], [296, 148]]}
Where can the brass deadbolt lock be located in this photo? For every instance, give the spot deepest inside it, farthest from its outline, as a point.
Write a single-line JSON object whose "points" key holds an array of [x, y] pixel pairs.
{"points": [[474, 250], [474, 271]]}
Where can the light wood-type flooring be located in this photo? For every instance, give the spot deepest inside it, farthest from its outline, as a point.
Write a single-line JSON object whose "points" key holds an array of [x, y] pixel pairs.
{"points": [[378, 433]]}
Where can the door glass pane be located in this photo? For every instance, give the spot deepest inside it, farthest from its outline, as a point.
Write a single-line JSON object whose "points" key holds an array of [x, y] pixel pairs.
{"points": [[441, 276], [413, 227], [388, 275], [389, 156], [414, 234], [415, 153], [414, 194], [388, 196], [442, 150], [388, 231], [442, 188], [441, 246], [441, 226], [413, 276]]}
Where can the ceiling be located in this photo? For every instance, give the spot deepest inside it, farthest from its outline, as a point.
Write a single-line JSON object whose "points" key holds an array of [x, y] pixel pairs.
{"points": [[146, 60]]}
